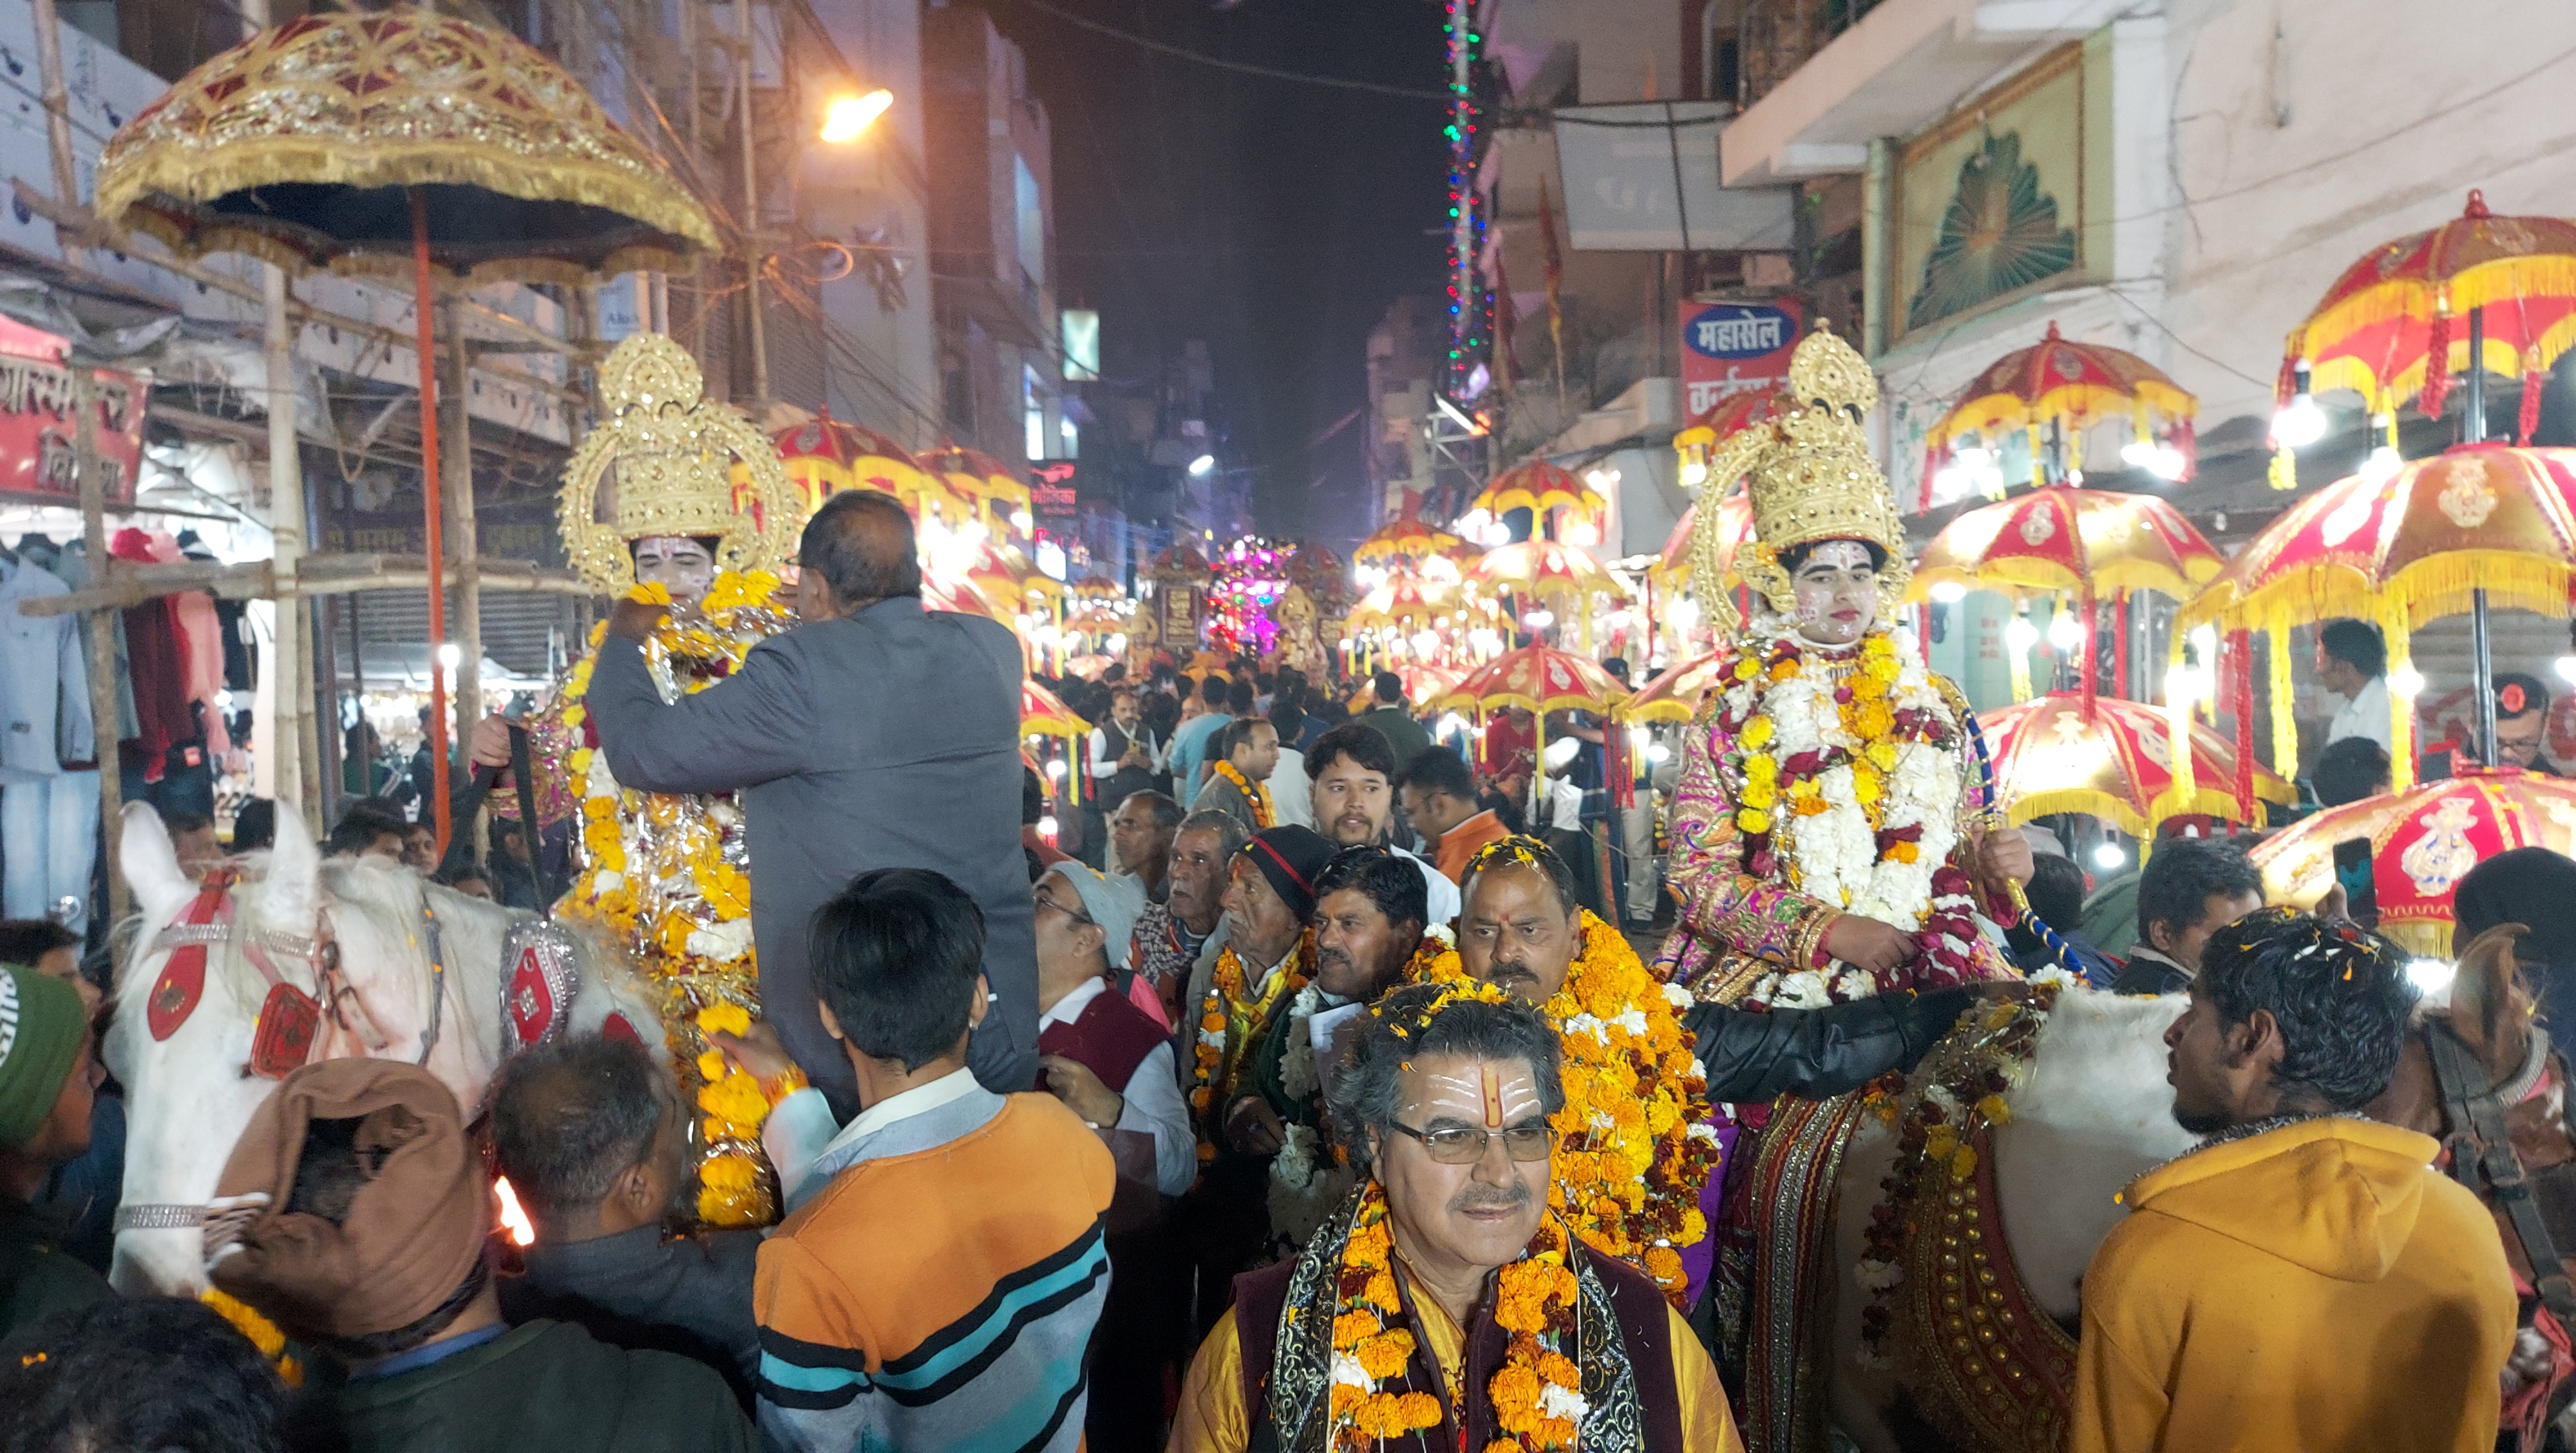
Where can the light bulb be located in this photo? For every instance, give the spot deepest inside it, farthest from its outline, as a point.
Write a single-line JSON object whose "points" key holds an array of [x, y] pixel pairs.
{"points": [[2565, 666], [2020, 634], [848, 116], [1055, 768], [2406, 681], [2064, 632], [1117, 644], [1657, 753], [1200, 468], [2382, 464], [450, 655], [2182, 685], [1047, 826], [1949, 592], [1580, 532], [1022, 521], [1639, 738], [1539, 620], [2299, 424], [1694, 474], [2428, 975], [2109, 858]]}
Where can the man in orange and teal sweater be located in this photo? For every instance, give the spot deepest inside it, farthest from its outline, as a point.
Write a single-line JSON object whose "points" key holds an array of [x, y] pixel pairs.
{"points": [[937, 1284]]}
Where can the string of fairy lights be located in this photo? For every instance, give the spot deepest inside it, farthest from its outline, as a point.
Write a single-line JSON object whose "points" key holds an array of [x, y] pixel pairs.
{"points": [[1470, 302]]}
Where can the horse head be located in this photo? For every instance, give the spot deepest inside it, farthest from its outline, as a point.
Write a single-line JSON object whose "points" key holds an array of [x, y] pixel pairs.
{"points": [[401, 969], [2489, 1013], [183, 1066]]}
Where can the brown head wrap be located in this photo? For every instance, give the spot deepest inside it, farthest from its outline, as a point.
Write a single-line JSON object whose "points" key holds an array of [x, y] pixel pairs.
{"points": [[414, 1227]]}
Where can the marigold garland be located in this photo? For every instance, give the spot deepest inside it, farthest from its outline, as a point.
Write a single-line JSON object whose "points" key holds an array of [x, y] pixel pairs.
{"points": [[1256, 793], [666, 878], [1885, 757], [1536, 1394], [263, 1333], [1229, 1018], [1633, 1151]]}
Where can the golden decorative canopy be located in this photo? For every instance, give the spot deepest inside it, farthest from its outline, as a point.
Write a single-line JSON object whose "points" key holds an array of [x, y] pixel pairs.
{"points": [[670, 452], [300, 144]]}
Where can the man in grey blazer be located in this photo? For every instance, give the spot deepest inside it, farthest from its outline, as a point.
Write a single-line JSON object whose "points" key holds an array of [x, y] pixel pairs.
{"points": [[875, 735]]}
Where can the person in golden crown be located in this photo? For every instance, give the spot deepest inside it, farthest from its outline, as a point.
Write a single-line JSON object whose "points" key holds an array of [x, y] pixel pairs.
{"points": [[1823, 840], [648, 510]]}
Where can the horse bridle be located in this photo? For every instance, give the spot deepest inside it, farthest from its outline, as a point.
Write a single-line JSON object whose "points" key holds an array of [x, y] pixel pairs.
{"points": [[321, 953], [2485, 1152]]}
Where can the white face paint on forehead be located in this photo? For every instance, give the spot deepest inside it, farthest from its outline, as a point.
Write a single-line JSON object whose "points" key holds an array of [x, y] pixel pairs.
{"points": [[1836, 593], [1476, 1092]]}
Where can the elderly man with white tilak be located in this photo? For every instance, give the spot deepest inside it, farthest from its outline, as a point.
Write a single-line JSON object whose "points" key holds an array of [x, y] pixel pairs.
{"points": [[1445, 1305]]}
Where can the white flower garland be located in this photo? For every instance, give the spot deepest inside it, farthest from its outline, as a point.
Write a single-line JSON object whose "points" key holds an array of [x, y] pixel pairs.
{"points": [[1305, 1184], [1833, 855]]}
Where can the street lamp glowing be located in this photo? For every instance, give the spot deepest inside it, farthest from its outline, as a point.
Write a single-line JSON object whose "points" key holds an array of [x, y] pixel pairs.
{"points": [[848, 116], [1201, 466]]}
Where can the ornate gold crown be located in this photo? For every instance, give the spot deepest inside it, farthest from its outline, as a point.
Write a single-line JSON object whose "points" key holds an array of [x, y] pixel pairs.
{"points": [[671, 452], [1810, 476]]}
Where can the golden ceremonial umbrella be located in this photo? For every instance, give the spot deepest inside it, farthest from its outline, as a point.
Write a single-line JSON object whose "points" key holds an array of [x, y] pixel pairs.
{"points": [[2113, 759], [2422, 841], [401, 142], [1559, 577]]}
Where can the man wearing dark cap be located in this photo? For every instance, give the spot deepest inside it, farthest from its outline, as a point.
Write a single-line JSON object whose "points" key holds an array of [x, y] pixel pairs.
{"points": [[47, 1080], [1269, 901], [352, 1214]]}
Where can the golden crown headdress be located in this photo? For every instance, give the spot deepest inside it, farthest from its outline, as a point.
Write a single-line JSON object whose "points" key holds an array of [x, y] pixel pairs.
{"points": [[1810, 476], [672, 451]]}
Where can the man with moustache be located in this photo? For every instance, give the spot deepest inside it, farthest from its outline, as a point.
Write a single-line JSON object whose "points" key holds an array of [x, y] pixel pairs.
{"points": [[1178, 939], [1389, 1318], [1367, 924], [2234, 1307], [1268, 958], [1353, 770]]}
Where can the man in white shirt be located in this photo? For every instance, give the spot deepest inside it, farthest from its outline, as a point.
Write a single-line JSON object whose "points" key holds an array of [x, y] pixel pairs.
{"points": [[1106, 1059], [1124, 754], [2352, 662]]}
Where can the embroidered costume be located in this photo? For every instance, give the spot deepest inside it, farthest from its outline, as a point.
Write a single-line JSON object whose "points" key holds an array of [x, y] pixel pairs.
{"points": [[666, 877]]}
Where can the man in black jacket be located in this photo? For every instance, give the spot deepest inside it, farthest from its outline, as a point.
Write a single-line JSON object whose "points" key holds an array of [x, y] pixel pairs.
{"points": [[592, 1138]]}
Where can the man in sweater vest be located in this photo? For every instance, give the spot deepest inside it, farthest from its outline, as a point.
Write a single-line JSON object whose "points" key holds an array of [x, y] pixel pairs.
{"points": [[1110, 1062], [1445, 1306], [940, 1289]]}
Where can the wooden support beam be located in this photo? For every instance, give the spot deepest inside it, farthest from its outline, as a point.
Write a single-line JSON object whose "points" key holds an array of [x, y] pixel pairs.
{"points": [[128, 584]]}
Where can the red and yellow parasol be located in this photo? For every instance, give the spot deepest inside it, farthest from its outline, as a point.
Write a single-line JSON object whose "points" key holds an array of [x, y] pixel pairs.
{"points": [[1406, 602], [2402, 547], [825, 456], [1539, 679], [1404, 542], [1042, 715], [2061, 538], [2069, 386], [2115, 761], [974, 475], [2392, 328], [1675, 695], [2422, 841]]}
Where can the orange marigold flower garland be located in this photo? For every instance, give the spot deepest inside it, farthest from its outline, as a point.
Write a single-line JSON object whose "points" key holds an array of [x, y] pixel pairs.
{"points": [[666, 878], [1228, 1018], [1633, 1151]]}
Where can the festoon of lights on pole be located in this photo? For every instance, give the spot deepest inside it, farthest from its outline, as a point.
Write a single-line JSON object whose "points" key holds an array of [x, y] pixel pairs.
{"points": [[1467, 298]]}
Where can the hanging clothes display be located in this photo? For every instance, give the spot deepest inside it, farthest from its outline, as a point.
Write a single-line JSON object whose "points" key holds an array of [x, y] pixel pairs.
{"points": [[70, 564], [166, 732], [48, 816], [193, 612], [234, 616]]}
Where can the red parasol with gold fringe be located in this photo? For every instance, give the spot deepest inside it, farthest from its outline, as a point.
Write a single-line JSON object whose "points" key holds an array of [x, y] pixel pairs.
{"points": [[1676, 694], [2113, 759], [2394, 326], [2422, 841]]}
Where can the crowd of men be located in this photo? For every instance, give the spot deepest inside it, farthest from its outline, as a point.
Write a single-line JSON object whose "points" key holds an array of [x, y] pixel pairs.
{"points": [[1050, 1143]]}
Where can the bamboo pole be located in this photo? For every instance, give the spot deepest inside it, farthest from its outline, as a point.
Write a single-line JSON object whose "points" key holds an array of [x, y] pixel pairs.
{"points": [[464, 557]]}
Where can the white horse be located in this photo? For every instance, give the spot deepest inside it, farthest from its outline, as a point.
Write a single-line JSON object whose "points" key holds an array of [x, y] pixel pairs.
{"points": [[2094, 1113], [189, 1096]]}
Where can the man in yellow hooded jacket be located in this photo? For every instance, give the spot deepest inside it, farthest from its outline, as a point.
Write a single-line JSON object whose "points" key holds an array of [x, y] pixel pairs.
{"points": [[2303, 1279]]}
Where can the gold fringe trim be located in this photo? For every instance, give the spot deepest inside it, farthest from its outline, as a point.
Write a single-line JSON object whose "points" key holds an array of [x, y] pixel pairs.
{"points": [[192, 175], [2077, 405], [2285, 723], [2424, 937]]}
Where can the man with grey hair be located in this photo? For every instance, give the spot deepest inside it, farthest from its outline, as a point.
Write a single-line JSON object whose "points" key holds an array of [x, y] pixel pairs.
{"points": [[1444, 1107], [592, 1136], [1178, 939]]}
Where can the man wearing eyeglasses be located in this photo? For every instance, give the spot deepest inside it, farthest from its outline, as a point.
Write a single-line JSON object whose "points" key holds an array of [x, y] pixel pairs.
{"points": [[1394, 1314], [1110, 1062]]}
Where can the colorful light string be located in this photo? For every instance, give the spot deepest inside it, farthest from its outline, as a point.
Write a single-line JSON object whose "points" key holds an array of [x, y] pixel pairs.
{"points": [[1470, 301]]}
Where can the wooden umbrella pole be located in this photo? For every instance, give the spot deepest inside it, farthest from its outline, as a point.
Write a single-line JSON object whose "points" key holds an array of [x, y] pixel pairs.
{"points": [[434, 545]]}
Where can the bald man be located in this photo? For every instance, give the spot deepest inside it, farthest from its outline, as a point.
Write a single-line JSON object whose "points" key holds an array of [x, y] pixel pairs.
{"points": [[875, 735]]}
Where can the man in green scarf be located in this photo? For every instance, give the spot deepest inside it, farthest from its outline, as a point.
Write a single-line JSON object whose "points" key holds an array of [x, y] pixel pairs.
{"points": [[47, 1077]]}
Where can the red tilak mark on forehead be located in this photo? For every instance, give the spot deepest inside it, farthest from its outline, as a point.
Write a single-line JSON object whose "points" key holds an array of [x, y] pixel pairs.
{"points": [[1493, 1098]]}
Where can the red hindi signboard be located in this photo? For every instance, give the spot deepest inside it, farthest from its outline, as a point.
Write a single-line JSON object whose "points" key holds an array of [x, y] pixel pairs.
{"points": [[38, 425], [1733, 348]]}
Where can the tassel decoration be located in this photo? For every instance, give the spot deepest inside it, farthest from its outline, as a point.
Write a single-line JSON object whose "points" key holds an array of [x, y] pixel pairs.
{"points": [[2437, 366], [2533, 382]]}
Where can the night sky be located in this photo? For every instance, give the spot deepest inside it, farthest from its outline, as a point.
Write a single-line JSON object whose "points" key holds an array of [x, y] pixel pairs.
{"points": [[1274, 219]]}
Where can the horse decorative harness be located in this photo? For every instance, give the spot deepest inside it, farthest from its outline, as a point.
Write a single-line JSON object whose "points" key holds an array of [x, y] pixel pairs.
{"points": [[2483, 1150]]}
